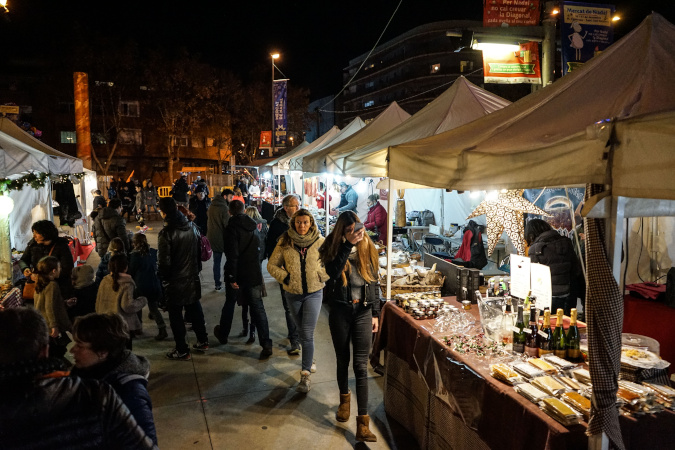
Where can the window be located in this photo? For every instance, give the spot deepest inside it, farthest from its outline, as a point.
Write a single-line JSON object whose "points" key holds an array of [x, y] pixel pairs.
{"points": [[130, 136], [197, 142], [370, 84], [210, 142], [68, 137], [179, 141], [435, 68], [98, 138], [369, 103], [352, 88], [129, 109]]}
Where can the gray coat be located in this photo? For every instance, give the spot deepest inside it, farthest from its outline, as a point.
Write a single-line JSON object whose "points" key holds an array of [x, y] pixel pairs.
{"points": [[218, 218]]}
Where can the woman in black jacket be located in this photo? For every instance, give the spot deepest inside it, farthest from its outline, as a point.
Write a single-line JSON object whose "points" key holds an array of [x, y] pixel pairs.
{"points": [[46, 242], [351, 262]]}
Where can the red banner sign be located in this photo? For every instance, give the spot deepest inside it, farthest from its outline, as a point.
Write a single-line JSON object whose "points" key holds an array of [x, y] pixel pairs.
{"points": [[497, 13], [519, 65], [265, 139]]}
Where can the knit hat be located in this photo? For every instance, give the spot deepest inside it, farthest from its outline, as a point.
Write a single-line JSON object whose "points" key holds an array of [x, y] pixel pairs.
{"points": [[82, 276]]}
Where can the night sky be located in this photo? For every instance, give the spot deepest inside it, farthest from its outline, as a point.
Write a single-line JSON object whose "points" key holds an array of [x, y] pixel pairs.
{"points": [[315, 38]]}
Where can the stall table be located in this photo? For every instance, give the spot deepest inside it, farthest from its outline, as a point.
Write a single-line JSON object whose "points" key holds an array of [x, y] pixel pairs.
{"points": [[449, 400]]}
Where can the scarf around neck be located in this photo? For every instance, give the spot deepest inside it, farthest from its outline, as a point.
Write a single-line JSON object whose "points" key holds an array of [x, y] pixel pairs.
{"points": [[306, 240]]}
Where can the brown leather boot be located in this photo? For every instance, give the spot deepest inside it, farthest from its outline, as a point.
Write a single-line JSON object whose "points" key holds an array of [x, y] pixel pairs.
{"points": [[363, 433], [342, 414]]}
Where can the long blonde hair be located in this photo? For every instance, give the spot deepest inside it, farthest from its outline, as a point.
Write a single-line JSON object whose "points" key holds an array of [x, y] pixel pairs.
{"points": [[367, 255]]}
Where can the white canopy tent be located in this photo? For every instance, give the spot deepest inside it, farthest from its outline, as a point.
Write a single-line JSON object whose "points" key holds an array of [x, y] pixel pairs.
{"points": [[329, 159], [461, 103], [548, 138]]}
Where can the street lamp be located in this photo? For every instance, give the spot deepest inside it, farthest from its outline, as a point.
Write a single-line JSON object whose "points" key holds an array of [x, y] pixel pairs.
{"points": [[3, 6], [274, 56]]}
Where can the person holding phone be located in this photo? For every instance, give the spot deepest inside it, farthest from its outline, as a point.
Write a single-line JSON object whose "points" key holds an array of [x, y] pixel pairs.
{"points": [[351, 261], [296, 265]]}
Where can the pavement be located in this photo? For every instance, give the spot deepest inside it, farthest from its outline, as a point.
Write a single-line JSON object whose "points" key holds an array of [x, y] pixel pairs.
{"points": [[225, 398]]}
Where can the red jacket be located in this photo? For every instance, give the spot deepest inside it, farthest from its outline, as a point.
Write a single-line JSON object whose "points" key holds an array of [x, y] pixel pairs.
{"points": [[377, 217]]}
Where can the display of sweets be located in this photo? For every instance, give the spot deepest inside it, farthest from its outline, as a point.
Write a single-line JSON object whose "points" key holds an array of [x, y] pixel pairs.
{"points": [[405, 300]]}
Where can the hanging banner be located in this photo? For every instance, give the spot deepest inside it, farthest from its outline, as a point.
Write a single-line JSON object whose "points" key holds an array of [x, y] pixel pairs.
{"points": [[501, 13], [564, 208], [586, 30], [280, 119], [501, 64], [265, 139]]}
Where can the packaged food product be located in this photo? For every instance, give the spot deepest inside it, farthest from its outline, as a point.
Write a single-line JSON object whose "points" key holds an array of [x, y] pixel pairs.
{"points": [[527, 370], [582, 375], [570, 383], [558, 361], [504, 373], [549, 384], [531, 393], [542, 365], [578, 402], [560, 411], [628, 396]]}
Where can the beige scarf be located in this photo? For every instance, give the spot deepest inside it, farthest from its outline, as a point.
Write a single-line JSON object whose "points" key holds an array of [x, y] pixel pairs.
{"points": [[306, 240]]}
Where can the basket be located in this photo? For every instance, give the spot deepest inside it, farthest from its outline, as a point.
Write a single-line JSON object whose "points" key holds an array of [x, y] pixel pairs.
{"points": [[408, 289]]}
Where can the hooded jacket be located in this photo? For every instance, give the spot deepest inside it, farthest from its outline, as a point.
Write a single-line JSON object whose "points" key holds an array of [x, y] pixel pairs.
{"points": [[242, 250], [143, 269], [557, 252], [109, 225], [128, 376], [57, 411], [178, 254], [180, 190], [377, 218], [218, 218], [121, 302], [278, 226]]}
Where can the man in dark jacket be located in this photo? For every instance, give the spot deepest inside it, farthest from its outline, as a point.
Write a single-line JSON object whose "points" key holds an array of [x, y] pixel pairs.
{"points": [[178, 253], [41, 407], [278, 226], [551, 249], [99, 200], [180, 191], [218, 217], [243, 277], [349, 199], [199, 205], [110, 224]]}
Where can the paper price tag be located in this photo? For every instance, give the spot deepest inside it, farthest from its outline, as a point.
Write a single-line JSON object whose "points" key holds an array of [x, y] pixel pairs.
{"points": [[527, 330], [542, 334], [515, 329]]}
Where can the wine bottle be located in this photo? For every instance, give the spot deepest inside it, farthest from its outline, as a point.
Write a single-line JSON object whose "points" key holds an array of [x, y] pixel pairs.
{"points": [[573, 339], [507, 325], [531, 341], [545, 335], [518, 333], [559, 346]]}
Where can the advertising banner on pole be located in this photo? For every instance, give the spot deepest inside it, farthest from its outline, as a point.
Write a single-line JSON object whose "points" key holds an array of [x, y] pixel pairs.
{"points": [[506, 66], [265, 139], [280, 118], [586, 30], [500, 13]]}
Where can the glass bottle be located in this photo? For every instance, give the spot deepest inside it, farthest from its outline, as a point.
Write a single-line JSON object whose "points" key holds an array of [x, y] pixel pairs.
{"points": [[531, 341], [545, 335], [573, 338], [518, 333], [559, 345], [506, 326]]}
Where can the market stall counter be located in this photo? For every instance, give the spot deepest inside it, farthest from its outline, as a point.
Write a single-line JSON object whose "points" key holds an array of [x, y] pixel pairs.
{"points": [[447, 399]]}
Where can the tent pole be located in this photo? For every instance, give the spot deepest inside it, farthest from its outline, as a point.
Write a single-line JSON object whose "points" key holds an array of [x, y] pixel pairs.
{"points": [[390, 234], [442, 211], [326, 204], [303, 190]]}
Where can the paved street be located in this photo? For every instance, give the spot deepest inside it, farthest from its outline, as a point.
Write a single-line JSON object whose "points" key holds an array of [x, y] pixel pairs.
{"points": [[227, 399]]}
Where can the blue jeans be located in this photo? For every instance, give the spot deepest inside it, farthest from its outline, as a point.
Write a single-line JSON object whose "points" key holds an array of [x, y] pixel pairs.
{"points": [[290, 322], [217, 267], [252, 296], [305, 310]]}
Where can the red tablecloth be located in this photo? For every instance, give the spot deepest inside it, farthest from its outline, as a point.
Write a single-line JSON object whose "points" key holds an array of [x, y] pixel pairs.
{"points": [[652, 319]]}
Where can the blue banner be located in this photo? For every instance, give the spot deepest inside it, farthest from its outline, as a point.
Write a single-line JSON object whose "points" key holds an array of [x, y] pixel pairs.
{"points": [[586, 30], [280, 118]]}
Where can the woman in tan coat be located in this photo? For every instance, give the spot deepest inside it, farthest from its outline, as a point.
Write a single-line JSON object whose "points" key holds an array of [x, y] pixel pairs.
{"points": [[295, 264], [116, 293]]}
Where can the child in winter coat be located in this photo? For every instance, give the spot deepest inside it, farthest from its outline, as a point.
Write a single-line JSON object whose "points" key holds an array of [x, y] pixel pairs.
{"points": [[50, 304], [143, 269], [84, 289], [116, 246], [116, 293]]}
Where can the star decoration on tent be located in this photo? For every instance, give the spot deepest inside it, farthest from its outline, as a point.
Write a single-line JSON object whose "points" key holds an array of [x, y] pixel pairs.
{"points": [[504, 211]]}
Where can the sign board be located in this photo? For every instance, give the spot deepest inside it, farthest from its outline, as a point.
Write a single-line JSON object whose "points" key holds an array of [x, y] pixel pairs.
{"points": [[520, 276], [265, 139], [540, 283], [9, 109], [500, 13], [190, 169], [586, 30], [502, 64]]}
